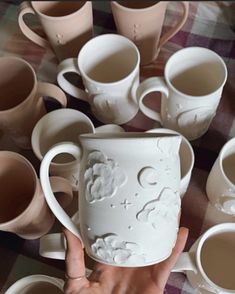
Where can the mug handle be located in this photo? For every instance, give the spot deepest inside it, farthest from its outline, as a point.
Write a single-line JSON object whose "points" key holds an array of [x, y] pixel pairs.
{"points": [[51, 90], [147, 86], [26, 8], [168, 35], [61, 215], [65, 66], [185, 263]]}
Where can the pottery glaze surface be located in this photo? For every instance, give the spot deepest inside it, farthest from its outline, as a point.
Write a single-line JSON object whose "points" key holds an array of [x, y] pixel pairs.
{"points": [[129, 198]]}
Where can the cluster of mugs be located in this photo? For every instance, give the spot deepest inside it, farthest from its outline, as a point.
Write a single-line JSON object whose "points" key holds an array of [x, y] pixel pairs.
{"points": [[137, 179]]}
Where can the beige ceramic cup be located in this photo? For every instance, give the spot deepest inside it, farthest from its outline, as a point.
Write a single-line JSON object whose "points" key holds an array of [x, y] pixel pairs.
{"points": [[68, 25], [23, 208], [220, 186], [37, 284], [21, 102], [191, 89], [109, 67], [142, 22], [63, 125]]}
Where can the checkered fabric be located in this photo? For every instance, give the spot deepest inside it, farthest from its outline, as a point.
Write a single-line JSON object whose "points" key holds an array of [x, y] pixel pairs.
{"points": [[207, 26]]}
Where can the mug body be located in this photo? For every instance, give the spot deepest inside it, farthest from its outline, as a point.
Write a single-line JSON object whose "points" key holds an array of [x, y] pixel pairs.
{"points": [[67, 24], [109, 67], [195, 77], [129, 198]]}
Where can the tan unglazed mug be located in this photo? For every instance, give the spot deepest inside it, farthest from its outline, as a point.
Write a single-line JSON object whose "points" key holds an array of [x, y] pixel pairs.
{"points": [[68, 25], [21, 99], [142, 22], [23, 207]]}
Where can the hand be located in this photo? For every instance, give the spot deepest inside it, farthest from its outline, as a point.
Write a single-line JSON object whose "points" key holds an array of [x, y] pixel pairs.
{"points": [[107, 279]]}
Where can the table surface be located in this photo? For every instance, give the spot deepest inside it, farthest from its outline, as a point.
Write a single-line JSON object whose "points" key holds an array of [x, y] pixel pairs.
{"points": [[206, 26]]}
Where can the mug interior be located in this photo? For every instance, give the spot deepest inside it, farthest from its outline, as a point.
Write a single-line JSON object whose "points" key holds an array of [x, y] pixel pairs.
{"points": [[137, 4], [217, 258], [195, 71], [17, 185], [16, 83], [41, 287], [57, 8], [108, 58], [228, 161]]}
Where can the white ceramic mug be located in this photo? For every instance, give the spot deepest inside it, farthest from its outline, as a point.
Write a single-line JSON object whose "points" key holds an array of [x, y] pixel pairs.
{"points": [[64, 125], [129, 199], [187, 159], [109, 67], [190, 91], [220, 185], [210, 263], [37, 284]]}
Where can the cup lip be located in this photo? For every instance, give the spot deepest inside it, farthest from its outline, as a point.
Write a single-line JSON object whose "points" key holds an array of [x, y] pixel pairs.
{"points": [[34, 135], [219, 228], [105, 36], [23, 159], [86, 3], [34, 83], [192, 97], [134, 9], [221, 157], [34, 278]]}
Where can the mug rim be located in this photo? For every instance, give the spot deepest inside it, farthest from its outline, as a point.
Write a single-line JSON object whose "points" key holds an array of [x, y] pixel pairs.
{"points": [[221, 158], [191, 48], [105, 36], [86, 3], [135, 9], [34, 278], [219, 228], [19, 59], [24, 160]]}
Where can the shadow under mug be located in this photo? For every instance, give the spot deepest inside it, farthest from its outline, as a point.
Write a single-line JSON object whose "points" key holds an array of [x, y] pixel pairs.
{"points": [[37, 284], [21, 99], [68, 25], [23, 207], [210, 263]]}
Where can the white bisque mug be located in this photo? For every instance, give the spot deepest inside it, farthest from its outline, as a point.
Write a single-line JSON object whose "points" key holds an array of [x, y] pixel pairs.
{"points": [[109, 67], [187, 159], [129, 200], [209, 264], [64, 125], [37, 284], [220, 185], [191, 89]]}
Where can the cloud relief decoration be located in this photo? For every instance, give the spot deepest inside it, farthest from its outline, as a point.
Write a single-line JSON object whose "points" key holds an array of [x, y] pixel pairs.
{"points": [[103, 177], [163, 209], [113, 250]]}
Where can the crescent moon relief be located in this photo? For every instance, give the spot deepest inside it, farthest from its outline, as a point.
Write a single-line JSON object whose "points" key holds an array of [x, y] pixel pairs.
{"points": [[148, 177]]}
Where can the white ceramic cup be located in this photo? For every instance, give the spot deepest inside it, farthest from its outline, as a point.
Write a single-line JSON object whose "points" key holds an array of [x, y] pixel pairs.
{"points": [[63, 125], [210, 263], [37, 284], [109, 67], [220, 185], [187, 159], [190, 91], [129, 200]]}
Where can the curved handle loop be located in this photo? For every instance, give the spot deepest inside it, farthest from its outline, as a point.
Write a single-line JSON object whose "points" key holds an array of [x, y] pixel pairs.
{"points": [[26, 8], [51, 90], [147, 86], [62, 216], [185, 263], [178, 26], [70, 65]]}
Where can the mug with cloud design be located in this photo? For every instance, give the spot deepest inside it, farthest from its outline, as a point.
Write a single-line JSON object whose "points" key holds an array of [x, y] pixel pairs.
{"points": [[129, 196]]}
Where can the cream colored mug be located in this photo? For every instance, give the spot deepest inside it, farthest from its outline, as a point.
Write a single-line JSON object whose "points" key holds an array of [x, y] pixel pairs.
{"points": [[142, 22], [191, 89], [68, 25], [21, 99], [23, 207]]}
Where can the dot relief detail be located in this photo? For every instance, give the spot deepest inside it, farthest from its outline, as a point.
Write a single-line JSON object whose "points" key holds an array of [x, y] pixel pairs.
{"points": [[103, 177]]}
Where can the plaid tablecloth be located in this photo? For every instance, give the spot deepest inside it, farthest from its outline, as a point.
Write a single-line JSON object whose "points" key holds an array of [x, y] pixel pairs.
{"points": [[207, 26]]}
